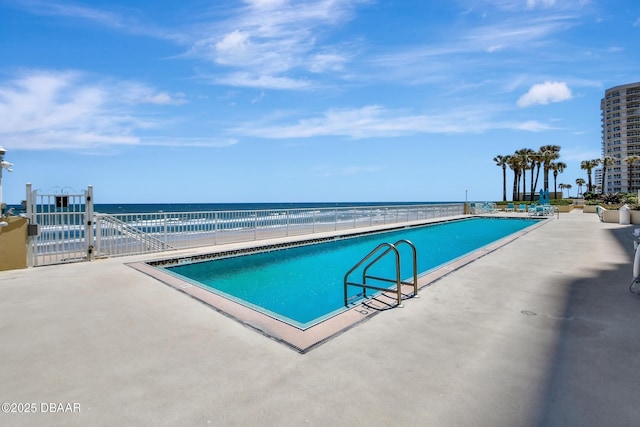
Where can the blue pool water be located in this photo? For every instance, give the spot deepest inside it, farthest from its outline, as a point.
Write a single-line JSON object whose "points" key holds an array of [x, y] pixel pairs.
{"points": [[303, 285]]}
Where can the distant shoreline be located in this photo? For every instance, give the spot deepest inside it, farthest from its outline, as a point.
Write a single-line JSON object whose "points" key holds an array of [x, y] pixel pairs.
{"points": [[114, 208], [125, 208]]}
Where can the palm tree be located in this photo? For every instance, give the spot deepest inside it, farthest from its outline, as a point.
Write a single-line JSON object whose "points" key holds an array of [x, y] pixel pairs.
{"points": [[630, 160], [588, 165], [606, 162], [580, 182], [568, 187], [503, 162], [557, 167], [525, 155], [548, 153], [562, 187], [536, 162], [515, 165]]}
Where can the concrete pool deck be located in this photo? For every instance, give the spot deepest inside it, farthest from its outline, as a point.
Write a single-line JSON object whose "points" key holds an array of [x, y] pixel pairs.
{"points": [[541, 332]]}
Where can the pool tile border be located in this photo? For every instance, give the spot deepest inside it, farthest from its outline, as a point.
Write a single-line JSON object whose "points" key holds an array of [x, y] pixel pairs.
{"points": [[309, 338]]}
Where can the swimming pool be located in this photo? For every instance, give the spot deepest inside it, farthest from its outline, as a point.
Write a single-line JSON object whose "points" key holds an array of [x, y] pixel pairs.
{"points": [[303, 285]]}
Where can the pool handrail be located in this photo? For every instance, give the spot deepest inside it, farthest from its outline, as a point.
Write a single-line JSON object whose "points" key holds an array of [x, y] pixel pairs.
{"points": [[398, 281]]}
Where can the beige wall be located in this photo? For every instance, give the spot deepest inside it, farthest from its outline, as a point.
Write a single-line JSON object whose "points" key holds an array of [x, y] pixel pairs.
{"points": [[13, 244], [613, 216]]}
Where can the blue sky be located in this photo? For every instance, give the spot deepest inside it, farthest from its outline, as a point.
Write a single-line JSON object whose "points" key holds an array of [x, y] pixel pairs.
{"points": [[302, 101]]}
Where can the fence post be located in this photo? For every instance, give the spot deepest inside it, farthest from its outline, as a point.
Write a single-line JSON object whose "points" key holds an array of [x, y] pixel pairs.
{"points": [[31, 217], [88, 223]]}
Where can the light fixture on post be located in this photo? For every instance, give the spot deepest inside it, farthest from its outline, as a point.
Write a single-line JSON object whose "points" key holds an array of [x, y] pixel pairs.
{"points": [[3, 165]]}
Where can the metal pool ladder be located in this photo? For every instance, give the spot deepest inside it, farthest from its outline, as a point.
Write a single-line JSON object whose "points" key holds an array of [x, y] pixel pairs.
{"points": [[381, 251]]}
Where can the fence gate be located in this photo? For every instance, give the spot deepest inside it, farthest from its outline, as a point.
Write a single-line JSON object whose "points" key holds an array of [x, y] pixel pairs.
{"points": [[60, 227]]}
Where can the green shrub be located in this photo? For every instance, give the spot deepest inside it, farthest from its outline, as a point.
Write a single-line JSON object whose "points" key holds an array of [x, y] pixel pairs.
{"points": [[561, 202], [611, 198]]}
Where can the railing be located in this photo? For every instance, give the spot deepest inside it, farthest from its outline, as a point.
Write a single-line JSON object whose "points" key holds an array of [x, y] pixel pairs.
{"points": [[124, 238], [128, 234], [382, 250]]}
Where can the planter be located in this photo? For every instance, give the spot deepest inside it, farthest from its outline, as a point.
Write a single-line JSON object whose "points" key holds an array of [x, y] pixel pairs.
{"points": [[589, 208], [613, 216], [610, 216], [565, 208]]}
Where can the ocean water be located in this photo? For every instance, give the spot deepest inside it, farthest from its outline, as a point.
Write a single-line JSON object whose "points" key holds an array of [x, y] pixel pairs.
{"points": [[127, 208], [123, 208]]}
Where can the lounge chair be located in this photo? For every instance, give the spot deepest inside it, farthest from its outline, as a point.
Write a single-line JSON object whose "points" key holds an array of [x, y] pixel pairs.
{"points": [[522, 208], [540, 210], [509, 207], [547, 210]]}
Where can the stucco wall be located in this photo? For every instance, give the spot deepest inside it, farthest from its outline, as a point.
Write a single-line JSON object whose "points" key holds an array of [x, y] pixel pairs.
{"points": [[613, 216], [13, 244]]}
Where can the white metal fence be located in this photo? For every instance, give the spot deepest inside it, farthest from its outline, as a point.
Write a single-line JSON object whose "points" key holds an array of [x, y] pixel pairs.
{"points": [[65, 228], [128, 234], [60, 227]]}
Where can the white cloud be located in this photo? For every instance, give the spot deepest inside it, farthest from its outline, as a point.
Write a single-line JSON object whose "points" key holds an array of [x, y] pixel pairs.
{"points": [[514, 33], [266, 4], [268, 40], [136, 93], [64, 110], [327, 62], [545, 93], [495, 48], [262, 81], [97, 16], [532, 126], [463, 54], [188, 142], [374, 121], [545, 3], [234, 48]]}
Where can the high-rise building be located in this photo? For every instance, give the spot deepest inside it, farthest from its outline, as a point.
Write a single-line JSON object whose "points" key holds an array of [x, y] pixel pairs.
{"points": [[597, 179], [620, 109]]}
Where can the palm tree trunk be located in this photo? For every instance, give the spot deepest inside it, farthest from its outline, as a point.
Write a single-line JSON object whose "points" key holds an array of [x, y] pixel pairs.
{"points": [[546, 176], [533, 188], [504, 182]]}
